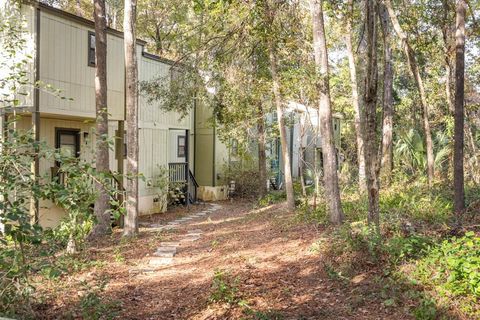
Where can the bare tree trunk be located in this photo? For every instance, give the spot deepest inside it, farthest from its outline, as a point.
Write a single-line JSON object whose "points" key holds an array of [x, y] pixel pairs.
{"points": [[325, 115], [446, 30], [131, 82], [447, 40], [356, 106], [458, 177], [387, 129], [412, 62], [262, 155], [101, 152], [281, 126], [370, 128]]}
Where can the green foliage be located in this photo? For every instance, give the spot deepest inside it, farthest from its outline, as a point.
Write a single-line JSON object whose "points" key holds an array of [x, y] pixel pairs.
{"points": [[401, 248], [262, 315], [272, 197], [92, 306], [453, 267], [224, 288], [426, 310]]}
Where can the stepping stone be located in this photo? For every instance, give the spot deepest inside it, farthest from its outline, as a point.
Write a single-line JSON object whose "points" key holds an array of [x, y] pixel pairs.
{"points": [[190, 238], [160, 261], [170, 244], [186, 219], [165, 252], [196, 231], [201, 214]]}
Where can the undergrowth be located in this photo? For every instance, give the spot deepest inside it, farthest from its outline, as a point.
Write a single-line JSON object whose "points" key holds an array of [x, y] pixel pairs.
{"points": [[438, 273]]}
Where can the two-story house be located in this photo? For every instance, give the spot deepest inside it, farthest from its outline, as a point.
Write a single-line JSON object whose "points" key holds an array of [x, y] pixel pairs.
{"points": [[63, 50]]}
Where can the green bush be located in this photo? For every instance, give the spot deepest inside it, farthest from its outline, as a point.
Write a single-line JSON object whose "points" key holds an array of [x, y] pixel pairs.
{"points": [[452, 268], [224, 288], [401, 248], [272, 197]]}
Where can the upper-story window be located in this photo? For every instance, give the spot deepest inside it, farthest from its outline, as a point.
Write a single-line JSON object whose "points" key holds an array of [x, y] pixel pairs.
{"points": [[91, 49]]}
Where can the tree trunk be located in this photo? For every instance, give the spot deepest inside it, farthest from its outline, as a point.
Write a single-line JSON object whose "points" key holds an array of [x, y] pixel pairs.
{"points": [[446, 30], [102, 205], [458, 178], [281, 126], [412, 62], [370, 128], [325, 115], [131, 102], [262, 155], [387, 128], [356, 106]]}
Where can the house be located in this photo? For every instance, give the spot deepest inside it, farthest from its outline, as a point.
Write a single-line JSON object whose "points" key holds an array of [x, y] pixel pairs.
{"points": [[303, 140], [63, 50]]}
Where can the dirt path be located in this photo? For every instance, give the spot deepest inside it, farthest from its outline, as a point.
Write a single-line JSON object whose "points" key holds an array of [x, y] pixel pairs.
{"points": [[267, 259]]}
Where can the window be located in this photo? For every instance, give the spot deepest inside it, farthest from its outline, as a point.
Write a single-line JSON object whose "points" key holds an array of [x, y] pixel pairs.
{"points": [[68, 142], [181, 146], [91, 49]]}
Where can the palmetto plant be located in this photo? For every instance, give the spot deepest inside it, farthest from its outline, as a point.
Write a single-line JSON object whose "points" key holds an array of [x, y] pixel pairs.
{"points": [[410, 155]]}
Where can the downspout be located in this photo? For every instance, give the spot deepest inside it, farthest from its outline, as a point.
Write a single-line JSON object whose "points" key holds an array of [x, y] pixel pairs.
{"points": [[36, 111], [195, 135], [214, 176]]}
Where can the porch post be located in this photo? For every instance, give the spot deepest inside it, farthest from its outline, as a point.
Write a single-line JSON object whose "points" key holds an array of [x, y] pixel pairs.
{"points": [[120, 151], [187, 167]]}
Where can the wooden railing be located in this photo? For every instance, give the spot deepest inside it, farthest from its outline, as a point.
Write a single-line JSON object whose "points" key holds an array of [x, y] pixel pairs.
{"points": [[179, 174]]}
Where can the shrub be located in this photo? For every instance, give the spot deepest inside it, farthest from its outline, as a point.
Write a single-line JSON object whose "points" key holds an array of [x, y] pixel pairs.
{"points": [[452, 268], [224, 287]]}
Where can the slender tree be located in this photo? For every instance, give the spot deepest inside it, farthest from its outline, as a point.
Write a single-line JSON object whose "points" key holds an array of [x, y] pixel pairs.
{"points": [[459, 203], [325, 114], [101, 152], [387, 128], [131, 93], [355, 101], [370, 128], [281, 125], [412, 62], [262, 154], [270, 11]]}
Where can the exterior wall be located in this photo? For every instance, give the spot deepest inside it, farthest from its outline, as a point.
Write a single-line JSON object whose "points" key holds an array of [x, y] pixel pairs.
{"points": [[64, 65], [27, 18], [67, 100], [158, 131], [50, 214], [211, 154]]}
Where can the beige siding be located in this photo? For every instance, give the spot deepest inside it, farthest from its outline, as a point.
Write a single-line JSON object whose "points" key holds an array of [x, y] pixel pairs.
{"points": [[64, 67], [7, 64], [151, 114]]}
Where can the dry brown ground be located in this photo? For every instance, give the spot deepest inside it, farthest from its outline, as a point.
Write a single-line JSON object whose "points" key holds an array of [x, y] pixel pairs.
{"points": [[265, 251]]}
